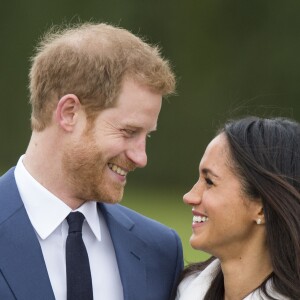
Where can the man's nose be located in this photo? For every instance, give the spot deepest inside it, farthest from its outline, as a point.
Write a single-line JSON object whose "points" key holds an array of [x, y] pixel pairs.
{"points": [[137, 154]]}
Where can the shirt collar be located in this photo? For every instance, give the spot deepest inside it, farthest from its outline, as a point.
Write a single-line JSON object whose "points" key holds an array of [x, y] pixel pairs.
{"points": [[46, 212]]}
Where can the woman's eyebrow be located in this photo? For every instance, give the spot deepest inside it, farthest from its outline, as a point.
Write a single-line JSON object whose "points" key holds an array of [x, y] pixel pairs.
{"points": [[207, 171]]}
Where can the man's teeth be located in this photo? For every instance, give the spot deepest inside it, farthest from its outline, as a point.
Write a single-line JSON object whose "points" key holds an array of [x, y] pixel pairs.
{"points": [[199, 219], [117, 169]]}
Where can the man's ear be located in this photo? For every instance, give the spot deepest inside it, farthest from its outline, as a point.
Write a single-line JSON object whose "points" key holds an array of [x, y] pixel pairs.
{"points": [[67, 111]]}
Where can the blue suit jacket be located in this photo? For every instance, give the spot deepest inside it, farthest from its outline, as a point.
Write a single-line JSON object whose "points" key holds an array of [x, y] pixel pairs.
{"points": [[149, 254]]}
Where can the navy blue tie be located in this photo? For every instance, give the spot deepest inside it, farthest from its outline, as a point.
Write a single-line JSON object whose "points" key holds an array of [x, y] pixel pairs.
{"points": [[79, 280]]}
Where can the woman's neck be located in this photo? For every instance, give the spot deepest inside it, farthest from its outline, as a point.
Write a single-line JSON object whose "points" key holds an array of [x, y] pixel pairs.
{"points": [[245, 274]]}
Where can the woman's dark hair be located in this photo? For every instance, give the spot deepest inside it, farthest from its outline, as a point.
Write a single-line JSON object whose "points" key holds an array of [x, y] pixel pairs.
{"points": [[265, 154]]}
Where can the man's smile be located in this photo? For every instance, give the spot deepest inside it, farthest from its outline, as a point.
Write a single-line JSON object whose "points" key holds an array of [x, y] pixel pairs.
{"points": [[117, 169]]}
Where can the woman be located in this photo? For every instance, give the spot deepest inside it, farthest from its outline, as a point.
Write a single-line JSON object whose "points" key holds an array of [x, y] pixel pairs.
{"points": [[246, 214]]}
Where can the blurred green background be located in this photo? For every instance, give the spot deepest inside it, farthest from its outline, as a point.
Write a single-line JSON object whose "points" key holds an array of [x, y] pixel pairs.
{"points": [[231, 58]]}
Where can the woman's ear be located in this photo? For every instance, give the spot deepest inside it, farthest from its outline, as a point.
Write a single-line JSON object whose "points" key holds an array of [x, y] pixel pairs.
{"points": [[260, 216], [67, 111]]}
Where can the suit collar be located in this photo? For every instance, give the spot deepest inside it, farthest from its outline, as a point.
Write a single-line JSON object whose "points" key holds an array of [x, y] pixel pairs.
{"points": [[114, 214], [21, 259], [131, 251]]}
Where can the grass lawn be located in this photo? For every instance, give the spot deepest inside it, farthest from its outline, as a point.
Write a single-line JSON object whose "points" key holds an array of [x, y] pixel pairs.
{"points": [[165, 206]]}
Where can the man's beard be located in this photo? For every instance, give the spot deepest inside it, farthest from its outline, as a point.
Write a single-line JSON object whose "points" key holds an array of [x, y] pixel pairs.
{"points": [[85, 171]]}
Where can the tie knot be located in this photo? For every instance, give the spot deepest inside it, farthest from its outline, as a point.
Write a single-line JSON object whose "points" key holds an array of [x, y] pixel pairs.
{"points": [[75, 221]]}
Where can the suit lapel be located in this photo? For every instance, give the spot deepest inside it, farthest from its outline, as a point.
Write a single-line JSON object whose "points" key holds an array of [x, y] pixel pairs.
{"points": [[130, 252], [21, 259]]}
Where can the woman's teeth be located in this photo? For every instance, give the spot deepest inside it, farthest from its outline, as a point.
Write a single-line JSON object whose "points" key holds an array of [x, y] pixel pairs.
{"points": [[117, 169], [199, 219]]}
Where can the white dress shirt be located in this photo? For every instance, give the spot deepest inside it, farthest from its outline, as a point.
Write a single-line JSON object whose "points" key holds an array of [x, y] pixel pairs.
{"points": [[47, 214]]}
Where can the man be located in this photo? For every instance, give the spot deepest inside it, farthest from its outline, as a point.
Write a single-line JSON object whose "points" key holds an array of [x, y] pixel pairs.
{"points": [[96, 93]]}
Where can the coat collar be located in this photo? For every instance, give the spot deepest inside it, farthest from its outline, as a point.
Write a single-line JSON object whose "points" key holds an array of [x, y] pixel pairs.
{"points": [[195, 286]]}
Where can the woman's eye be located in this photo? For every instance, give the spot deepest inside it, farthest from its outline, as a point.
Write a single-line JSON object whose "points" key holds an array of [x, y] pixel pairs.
{"points": [[208, 181]]}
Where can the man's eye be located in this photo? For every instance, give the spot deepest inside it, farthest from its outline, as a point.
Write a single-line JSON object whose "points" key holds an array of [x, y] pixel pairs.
{"points": [[128, 132]]}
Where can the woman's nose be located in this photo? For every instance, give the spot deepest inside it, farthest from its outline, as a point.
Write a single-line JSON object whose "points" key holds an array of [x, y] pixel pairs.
{"points": [[193, 197]]}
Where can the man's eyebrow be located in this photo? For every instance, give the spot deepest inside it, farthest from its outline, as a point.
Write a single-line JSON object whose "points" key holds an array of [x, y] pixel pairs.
{"points": [[207, 171], [138, 127]]}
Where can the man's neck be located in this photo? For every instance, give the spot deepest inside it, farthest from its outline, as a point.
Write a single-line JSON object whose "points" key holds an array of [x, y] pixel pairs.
{"points": [[43, 160]]}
